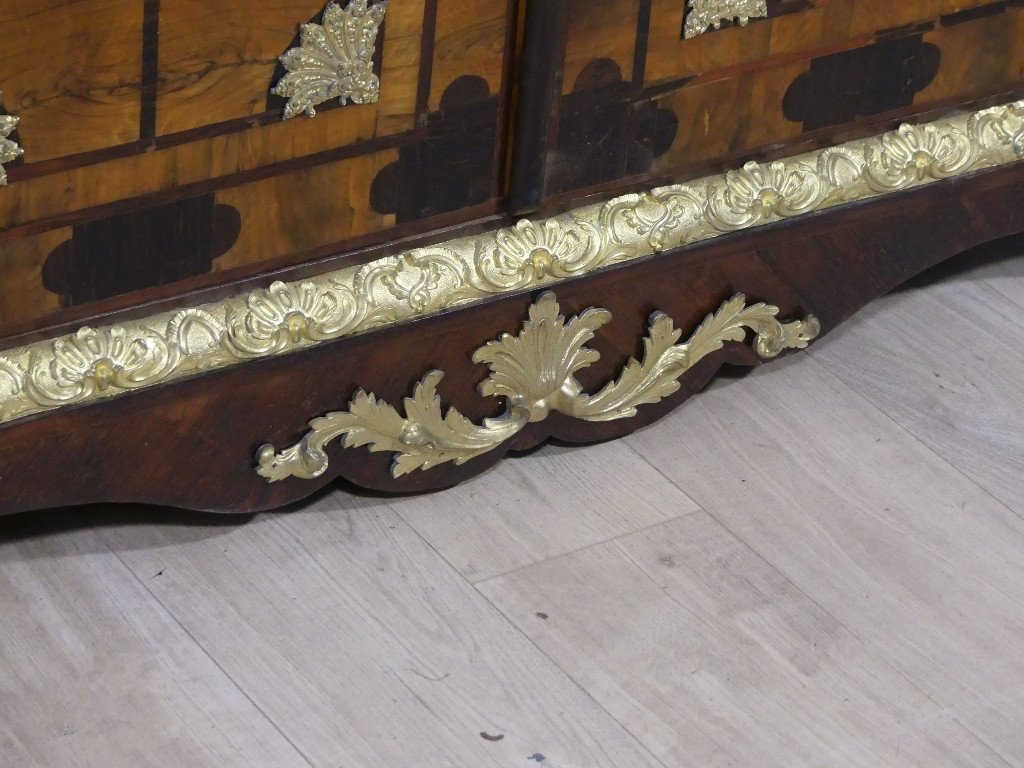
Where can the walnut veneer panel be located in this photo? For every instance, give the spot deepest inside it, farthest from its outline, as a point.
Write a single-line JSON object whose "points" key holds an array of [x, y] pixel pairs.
{"points": [[469, 42], [71, 71], [23, 293], [216, 65], [800, 26], [626, 97], [754, 109], [192, 171], [598, 30], [305, 209]]}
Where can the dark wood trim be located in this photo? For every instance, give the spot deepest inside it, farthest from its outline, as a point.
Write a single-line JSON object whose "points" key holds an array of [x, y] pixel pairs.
{"points": [[427, 45], [952, 19], [150, 69], [643, 24], [540, 86], [508, 103], [167, 141], [643, 32], [34, 170]]}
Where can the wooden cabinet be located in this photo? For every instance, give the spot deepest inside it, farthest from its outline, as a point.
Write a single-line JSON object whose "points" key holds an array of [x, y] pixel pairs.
{"points": [[202, 248], [156, 160], [635, 90]]}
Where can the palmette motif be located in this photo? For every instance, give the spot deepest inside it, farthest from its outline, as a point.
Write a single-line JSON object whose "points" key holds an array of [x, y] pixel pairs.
{"points": [[915, 153], [532, 251], [705, 15], [535, 372], [761, 193], [288, 317], [334, 59], [94, 361], [285, 315]]}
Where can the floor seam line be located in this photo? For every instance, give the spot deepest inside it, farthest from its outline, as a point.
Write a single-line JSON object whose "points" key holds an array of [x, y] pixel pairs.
{"points": [[519, 630], [584, 548], [981, 741], [905, 430], [209, 656]]}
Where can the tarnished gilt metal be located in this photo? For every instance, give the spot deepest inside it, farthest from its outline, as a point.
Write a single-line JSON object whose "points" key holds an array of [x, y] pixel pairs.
{"points": [[334, 59], [9, 150], [705, 15], [535, 372], [94, 364]]}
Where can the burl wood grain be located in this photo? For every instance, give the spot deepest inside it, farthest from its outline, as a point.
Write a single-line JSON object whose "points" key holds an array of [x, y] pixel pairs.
{"points": [[304, 210], [193, 444], [216, 64], [72, 72]]}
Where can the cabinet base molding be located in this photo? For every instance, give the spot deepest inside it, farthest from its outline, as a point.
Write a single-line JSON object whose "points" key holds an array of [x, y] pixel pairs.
{"points": [[184, 409], [96, 364]]}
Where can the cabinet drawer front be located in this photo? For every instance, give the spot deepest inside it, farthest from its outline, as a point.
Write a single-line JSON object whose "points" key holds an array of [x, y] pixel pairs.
{"points": [[635, 91], [178, 169]]}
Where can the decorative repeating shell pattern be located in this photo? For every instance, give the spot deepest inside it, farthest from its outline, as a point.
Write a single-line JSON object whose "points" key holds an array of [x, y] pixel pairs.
{"points": [[705, 15], [284, 318], [91, 362]]}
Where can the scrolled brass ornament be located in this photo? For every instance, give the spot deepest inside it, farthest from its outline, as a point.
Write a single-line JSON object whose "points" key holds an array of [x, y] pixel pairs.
{"points": [[916, 153], [93, 361], [705, 15], [334, 59], [535, 372], [284, 315], [758, 193], [1001, 126]]}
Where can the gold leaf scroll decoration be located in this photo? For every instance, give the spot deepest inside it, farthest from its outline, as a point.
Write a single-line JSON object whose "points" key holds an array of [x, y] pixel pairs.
{"points": [[535, 372]]}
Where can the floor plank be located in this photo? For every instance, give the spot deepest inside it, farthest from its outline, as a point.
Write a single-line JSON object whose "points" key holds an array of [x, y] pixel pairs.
{"points": [[93, 672], [712, 658], [945, 362], [366, 648], [906, 552], [575, 497], [1003, 269]]}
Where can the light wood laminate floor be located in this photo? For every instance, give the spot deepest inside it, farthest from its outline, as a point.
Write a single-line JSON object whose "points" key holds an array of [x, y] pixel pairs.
{"points": [[820, 564]]}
